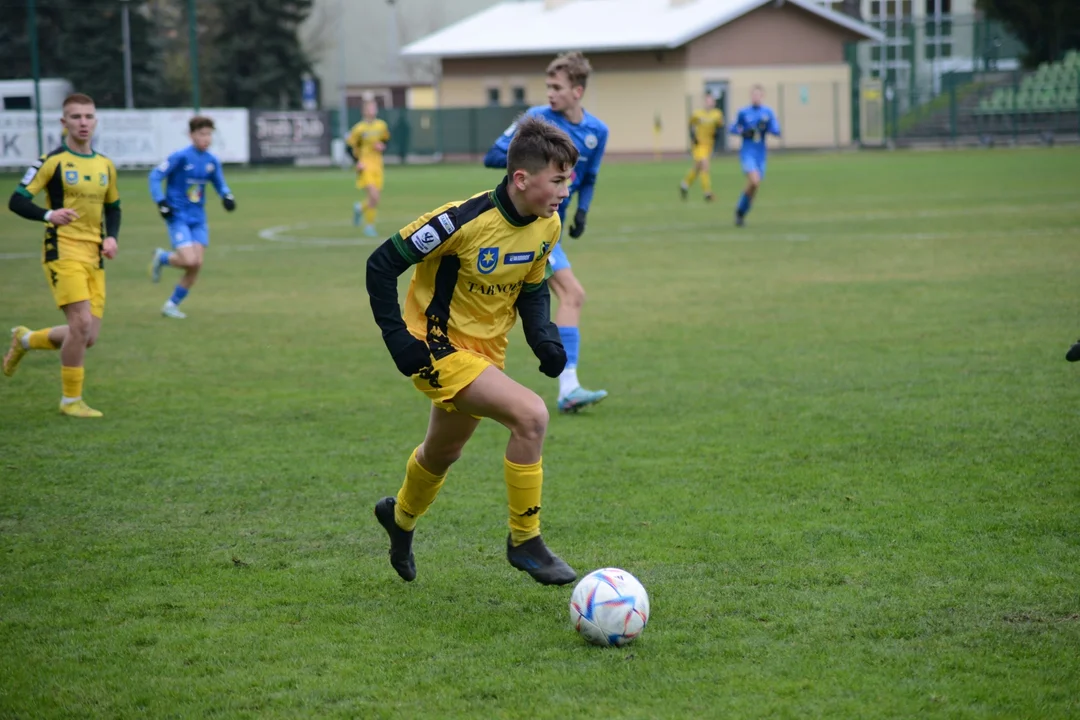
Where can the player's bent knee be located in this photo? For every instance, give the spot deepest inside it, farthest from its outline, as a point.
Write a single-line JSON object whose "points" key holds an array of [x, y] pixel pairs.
{"points": [[531, 418]]}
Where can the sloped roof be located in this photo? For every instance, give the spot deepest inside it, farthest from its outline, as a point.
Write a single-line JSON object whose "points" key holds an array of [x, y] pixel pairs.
{"points": [[525, 28]]}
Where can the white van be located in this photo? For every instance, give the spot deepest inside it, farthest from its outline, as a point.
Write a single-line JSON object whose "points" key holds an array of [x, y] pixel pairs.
{"points": [[19, 94]]}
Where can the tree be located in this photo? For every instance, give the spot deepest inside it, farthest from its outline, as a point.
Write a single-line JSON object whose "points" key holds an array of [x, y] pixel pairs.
{"points": [[82, 41], [1046, 27], [258, 59]]}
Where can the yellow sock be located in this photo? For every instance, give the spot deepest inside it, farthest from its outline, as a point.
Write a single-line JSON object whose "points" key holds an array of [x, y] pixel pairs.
{"points": [[706, 182], [416, 493], [39, 340], [71, 378], [523, 484], [369, 214], [690, 177]]}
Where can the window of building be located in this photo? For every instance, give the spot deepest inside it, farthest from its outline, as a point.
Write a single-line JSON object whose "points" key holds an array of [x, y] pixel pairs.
{"points": [[519, 95], [875, 7], [905, 8], [931, 52], [890, 52], [493, 96], [946, 28], [890, 7], [946, 50]]}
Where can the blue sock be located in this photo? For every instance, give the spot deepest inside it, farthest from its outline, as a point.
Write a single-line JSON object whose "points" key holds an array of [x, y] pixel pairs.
{"points": [[571, 338], [178, 295], [744, 204]]}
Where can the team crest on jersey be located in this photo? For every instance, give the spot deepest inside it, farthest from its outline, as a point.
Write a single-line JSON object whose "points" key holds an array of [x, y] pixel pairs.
{"points": [[591, 141], [71, 177], [545, 247], [209, 167], [487, 260]]}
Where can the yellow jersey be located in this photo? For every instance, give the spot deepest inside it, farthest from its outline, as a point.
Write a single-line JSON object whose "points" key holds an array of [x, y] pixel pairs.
{"points": [[473, 258], [362, 139], [704, 125], [85, 183]]}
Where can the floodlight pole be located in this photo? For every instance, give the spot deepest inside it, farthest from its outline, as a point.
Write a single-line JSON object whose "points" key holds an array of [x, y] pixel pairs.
{"points": [[35, 68], [125, 21], [193, 46]]}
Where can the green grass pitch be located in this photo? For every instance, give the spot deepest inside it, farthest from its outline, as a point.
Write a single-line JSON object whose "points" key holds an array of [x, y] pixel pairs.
{"points": [[841, 452]]}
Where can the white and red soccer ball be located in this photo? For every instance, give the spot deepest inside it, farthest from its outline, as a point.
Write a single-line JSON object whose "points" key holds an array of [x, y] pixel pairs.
{"points": [[609, 607]]}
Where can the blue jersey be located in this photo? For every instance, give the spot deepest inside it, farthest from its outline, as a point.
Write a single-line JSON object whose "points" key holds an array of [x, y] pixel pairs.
{"points": [[753, 123], [590, 137], [186, 173]]}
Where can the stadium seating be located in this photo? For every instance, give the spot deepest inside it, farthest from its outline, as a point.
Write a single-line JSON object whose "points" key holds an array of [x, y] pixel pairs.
{"points": [[1052, 88]]}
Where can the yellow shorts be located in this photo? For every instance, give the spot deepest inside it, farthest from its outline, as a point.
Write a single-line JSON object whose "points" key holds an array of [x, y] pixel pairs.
{"points": [[73, 281], [452, 374], [371, 175], [701, 152]]}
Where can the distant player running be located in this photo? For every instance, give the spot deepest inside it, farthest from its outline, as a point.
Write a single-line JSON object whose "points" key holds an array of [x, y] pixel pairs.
{"points": [[366, 143], [706, 124], [182, 207], [753, 123], [82, 222], [479, 265], [566, 78]]}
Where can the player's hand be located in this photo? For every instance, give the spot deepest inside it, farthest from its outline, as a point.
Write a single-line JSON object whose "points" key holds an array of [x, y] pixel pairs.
{"points": [[552, 357], [578, 226], [229, 202], [108, 247], [166, 210], [412, 358], [359, 166], [380, 146], [63, 216]]}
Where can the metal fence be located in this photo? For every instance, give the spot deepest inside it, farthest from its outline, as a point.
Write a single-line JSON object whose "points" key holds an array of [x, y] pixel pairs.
{"points": [[960, 77], [440, 132]]}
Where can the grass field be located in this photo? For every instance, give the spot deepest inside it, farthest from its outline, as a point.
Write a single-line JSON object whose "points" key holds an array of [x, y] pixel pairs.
{"points": [[841, 451]]}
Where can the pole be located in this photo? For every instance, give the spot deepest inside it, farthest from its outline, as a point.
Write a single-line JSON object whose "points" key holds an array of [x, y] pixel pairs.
{"points": [[193, 46], [343, 97], [125, 19], [35, 69]]}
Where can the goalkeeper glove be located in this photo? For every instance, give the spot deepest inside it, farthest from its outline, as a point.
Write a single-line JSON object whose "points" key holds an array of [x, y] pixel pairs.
{"points": [[229, 202], [166, 210]]}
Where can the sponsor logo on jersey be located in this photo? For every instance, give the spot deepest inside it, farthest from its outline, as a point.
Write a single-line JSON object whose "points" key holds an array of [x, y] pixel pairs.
{"points": [[425, 239], [446, 222], [518, 258]]}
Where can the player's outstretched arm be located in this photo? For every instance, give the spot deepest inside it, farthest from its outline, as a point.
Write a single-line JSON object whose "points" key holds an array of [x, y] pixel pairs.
{"points": [[384, 267], [534, 308]]}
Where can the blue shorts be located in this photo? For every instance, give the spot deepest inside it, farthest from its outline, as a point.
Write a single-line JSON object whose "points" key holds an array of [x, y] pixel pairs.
{"points": [[557, 260], [183, 233], [751, 164]]}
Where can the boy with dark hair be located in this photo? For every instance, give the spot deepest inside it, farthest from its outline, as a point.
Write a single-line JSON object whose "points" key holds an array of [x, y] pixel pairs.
{"points": [[182, 207], [479, 265]]}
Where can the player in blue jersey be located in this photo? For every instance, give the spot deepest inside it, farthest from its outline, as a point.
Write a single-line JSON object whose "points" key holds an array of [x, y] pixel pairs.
{"points": [[186, 173], [753, 123], [566, 78]]}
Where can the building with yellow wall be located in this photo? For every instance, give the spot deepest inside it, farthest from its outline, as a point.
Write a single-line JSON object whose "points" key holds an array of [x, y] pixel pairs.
{"points": [[653, 60]]}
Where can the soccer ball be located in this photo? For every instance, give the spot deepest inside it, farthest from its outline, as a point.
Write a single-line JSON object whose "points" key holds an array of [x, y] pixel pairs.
{"points": [[609, 607]]}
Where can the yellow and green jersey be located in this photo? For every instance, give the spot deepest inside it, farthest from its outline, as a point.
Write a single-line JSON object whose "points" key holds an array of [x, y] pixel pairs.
{"points": [[473, 258], [84, 183]]}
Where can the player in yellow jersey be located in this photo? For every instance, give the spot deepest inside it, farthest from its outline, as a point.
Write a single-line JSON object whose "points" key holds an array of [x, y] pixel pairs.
{"points": [[706, 124], [480, 264], [366, 142], [82, 221]]}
